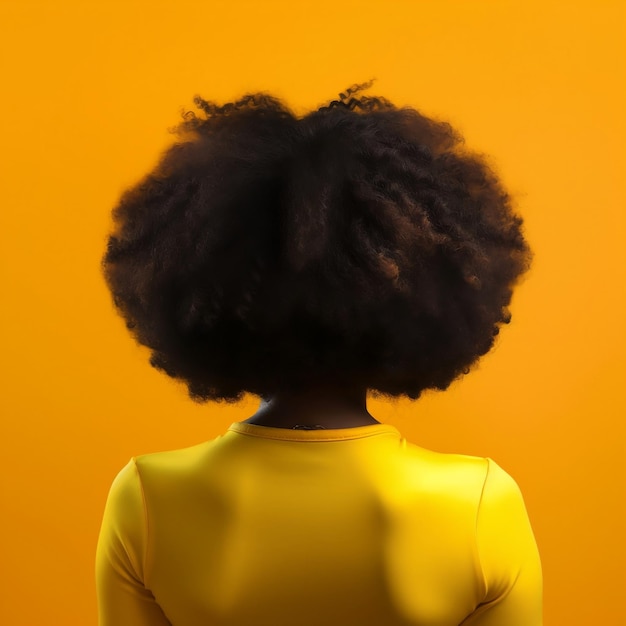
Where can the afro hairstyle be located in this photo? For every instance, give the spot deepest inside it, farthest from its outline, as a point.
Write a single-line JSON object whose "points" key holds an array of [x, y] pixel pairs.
{"points": [[359, 243]]}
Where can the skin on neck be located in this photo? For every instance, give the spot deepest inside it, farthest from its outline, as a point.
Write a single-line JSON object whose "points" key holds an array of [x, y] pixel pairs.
{"points": [[328, 405]]}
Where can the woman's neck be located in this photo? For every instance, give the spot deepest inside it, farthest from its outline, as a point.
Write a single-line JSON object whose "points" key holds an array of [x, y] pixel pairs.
{"points": [[328, 406]]}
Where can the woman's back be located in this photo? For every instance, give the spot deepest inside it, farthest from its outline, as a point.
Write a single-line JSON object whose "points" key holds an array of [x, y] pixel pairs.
{"points": [[274, 527]]}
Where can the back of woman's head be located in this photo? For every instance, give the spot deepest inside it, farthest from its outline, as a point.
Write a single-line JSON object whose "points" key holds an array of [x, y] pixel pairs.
{"points": [[358, 243]]}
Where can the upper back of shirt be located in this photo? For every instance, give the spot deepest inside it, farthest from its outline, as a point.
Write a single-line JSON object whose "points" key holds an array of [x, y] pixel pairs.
{"points": [[273, 527]]}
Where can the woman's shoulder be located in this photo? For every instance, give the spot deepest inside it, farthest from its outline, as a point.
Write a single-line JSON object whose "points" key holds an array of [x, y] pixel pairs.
{"points": [[174, 461], [444, 460], [447, 471]]}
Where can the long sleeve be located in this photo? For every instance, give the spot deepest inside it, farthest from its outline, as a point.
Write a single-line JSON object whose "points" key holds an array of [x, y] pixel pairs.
{"points": [[508, 555], [123, 600]]}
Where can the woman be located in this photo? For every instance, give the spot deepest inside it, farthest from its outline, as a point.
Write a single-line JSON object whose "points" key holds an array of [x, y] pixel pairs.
{"points": [[309, 260]]}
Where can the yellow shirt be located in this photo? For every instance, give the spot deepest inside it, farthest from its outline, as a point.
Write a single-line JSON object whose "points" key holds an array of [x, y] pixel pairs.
{"points": [[266, 526]]}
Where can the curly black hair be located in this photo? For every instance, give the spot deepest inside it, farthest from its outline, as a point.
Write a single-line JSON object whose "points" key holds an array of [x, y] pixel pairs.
{"points": [[359, 244]]}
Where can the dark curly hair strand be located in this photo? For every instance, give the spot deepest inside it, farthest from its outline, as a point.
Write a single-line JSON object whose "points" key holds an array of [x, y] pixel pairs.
{"points": [[359, 243]]}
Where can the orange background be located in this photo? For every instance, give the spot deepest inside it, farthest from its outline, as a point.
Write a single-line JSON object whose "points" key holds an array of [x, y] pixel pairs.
{"points": [[90, 89]]}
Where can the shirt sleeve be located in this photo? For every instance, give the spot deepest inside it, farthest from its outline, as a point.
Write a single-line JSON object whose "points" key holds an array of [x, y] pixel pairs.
{"points": [[508, 556], [123, 599]]}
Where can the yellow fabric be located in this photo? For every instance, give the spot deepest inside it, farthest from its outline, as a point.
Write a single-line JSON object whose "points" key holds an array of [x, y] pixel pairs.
{"points": [[267, 526]]}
